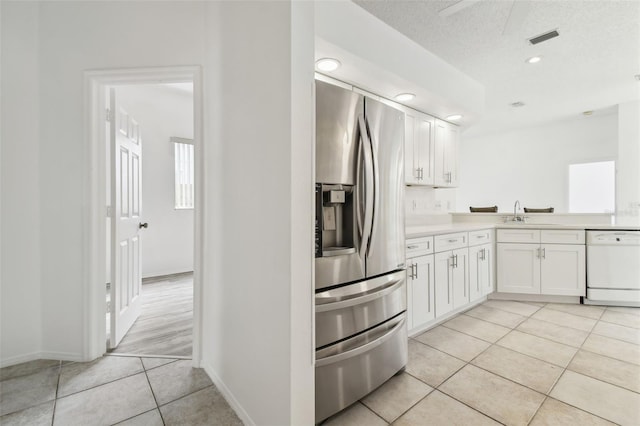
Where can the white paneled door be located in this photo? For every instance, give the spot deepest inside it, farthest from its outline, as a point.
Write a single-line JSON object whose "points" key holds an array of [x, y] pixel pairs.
{"points": [[126, 199]]}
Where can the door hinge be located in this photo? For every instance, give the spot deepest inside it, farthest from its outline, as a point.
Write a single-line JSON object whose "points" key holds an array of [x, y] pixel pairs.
{"points": [[108, 209], [108, 115]]}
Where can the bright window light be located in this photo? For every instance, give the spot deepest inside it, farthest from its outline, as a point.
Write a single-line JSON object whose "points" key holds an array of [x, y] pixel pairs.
{"points": [[184, 175], [592, 187]]}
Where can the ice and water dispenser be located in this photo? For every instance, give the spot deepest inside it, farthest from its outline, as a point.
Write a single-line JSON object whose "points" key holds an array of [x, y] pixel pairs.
{"points": [[334, 220]]}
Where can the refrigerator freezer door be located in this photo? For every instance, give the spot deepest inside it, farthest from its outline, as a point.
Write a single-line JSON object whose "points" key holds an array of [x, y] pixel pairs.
{"points": [[386, 245], [349, 370], [351, 309]]}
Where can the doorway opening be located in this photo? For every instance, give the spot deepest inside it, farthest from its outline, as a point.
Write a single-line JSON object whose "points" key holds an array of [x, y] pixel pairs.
{"points": [[149, 293], [128, 220]]}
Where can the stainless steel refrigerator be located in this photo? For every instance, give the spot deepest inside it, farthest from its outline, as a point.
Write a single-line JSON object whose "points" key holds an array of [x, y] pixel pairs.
{"points": [[360, 300]]}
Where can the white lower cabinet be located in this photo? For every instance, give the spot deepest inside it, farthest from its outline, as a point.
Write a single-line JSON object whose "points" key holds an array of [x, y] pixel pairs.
{"points": [[420, 291], [420, 282], [452, 280], [563, 270], [518, 268], [451, 271], [480, 271], [444, 283], [441, 282], [544, 265]]}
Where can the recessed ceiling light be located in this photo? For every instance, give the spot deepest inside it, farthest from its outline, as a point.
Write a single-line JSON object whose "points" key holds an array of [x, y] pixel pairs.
{"points": [[587, 113], [517, 104], [534, 59], [403, 97], [637, 76], [454, 117], [327, 64]]}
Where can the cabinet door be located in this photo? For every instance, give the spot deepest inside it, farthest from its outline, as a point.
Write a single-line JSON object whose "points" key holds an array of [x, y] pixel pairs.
{"points": [[487, 272], [480, 271], [423, 141], [460, 277], [451, 153], [422, 303], [519, 268], [409, 279], [411, 168], [440, 167], [443, 280], [446, 154], [563, 269]]}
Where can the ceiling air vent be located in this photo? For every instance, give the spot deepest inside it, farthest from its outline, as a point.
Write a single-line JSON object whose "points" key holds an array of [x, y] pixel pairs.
{"points": [[544, 37]]}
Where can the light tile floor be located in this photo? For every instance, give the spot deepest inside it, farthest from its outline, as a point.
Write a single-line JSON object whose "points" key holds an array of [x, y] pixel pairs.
{"points": [[515, 363], [111, 390], [501, 362]]}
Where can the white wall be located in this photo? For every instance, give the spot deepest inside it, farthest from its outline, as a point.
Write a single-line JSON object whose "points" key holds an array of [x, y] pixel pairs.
{"points": [[628, 165], [256, 301], [262, 253], [162, 112], [20, 304], [531, 165]]}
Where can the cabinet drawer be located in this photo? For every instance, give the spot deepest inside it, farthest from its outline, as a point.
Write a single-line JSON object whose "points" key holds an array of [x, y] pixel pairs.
{"points": [[518, 235], [563, 236], [450, 241], [419, 246], [480, 237]]}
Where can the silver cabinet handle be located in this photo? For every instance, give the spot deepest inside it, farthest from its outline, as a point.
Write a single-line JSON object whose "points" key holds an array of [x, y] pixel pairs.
{"points": [[411, 247], [544, 254], [416, 265], [538, 253], [455, 240], [428, 287], [417, 173]]}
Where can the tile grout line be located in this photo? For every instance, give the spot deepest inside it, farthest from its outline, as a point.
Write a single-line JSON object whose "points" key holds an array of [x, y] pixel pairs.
{"points": [[491, 344], [152, 392], [376, 414], [581, 348], [55, 398], [567, 368], [490, 372]]}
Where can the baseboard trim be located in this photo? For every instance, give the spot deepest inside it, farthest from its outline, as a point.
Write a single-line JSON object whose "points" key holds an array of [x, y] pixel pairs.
{"points": [[228, 395], [542, 298], [165, 276], [34, 356]]}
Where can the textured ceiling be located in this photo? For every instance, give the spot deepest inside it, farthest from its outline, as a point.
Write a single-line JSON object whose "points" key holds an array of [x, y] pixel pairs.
{"points": [[591, 66]]}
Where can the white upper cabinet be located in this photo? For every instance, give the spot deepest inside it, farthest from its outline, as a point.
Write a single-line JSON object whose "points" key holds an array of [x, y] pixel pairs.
{"points": [[447, 139], [419, 148]]}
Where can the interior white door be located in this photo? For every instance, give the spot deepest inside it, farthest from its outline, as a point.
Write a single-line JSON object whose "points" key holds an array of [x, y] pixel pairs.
{"points": [[126, 202]]}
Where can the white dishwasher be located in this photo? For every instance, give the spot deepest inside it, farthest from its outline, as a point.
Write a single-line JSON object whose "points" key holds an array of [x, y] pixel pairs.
{"points": [[613, 267]]}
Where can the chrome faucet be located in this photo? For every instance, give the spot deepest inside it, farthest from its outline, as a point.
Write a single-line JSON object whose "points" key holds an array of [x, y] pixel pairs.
{"points": [[517, 218]]}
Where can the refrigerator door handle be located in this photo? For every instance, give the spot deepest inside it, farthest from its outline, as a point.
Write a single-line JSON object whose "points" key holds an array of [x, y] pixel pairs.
{"points": [[368, 164], [359, 194], [389, 288], [375, 184]]}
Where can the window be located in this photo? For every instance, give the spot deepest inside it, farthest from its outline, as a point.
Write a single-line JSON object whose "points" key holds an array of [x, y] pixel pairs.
{"points": [[592, 187], [184, 176]]}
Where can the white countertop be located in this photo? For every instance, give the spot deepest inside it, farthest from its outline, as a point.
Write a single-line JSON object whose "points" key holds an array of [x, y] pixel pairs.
{"points": [[418, 231], [448, 228]]}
